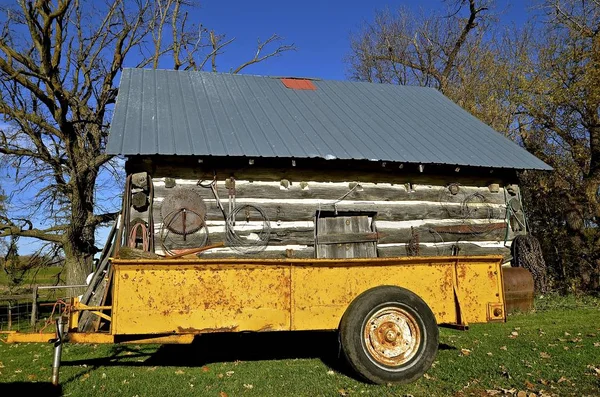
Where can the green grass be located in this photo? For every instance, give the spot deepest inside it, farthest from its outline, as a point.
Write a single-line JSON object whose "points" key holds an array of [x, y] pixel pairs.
{"points": [[554, 351], [43, 276]]}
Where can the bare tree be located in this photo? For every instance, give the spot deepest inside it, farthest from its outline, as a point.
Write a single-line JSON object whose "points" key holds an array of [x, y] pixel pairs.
{"points": [[459, 52], [403, 48], [59, 65]]}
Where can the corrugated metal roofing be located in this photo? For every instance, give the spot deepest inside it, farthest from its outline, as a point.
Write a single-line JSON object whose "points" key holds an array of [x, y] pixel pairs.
{"points": [[209, 114]]}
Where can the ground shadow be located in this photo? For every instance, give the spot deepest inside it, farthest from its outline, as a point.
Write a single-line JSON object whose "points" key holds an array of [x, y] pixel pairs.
{"points": [[30, 389], [230, 347], [445, 346]]}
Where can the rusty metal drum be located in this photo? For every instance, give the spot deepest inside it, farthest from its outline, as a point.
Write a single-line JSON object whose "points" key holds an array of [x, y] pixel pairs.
{"points": [[518, 289]]}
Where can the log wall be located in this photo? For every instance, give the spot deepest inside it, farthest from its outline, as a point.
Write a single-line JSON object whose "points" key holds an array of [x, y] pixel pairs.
{"points": [[440, 220]]}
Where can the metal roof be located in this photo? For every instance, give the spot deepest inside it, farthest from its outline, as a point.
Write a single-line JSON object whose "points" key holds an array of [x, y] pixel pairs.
{"points": [[170, 112]]}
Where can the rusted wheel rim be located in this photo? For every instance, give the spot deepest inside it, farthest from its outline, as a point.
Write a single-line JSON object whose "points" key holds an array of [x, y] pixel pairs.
{"points": [[392, 336]]}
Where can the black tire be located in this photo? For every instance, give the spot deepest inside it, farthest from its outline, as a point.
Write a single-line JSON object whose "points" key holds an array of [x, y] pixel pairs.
{"points": [[401, 341]]}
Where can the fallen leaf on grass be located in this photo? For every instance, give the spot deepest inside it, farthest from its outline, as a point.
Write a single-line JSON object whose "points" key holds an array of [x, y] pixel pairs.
{"points": [[427, 376], [219, 375], [492, 392], [465, 352], [18, 371], [248, 386], [229, 373], [529, 385], [205, 369], [1, 365], [84, 377], [179, 372], [152, 368], [489, 353], [330, 372], [103, 375], [31, 377], [562, 379], [544, 382], [596, 344], [594, 370], [567, 334], [522, 393], [544, 355], [343, 392], [222, 394], [513, 335], [503, 348]]}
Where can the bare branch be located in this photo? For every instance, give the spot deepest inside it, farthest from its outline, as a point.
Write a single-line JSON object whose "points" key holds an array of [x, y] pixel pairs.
{"points": [[260, 46]]}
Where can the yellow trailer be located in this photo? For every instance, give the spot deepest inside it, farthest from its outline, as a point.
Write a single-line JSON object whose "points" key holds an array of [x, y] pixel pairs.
{"points": [[387, 310]]}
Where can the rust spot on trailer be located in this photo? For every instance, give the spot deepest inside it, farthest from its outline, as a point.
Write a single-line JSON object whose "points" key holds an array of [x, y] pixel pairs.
{"points": [[268, 327], [462, 272], [192, 330]]}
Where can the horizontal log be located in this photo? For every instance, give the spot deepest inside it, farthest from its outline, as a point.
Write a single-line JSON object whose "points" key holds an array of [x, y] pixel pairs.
{"points": [[352, 190], [443, 250], [275, 169], [280, 253], [470, 228], [382, 251], [305, 236], [385, 211]]}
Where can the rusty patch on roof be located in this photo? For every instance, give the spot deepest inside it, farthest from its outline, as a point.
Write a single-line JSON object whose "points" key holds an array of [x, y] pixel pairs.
{"points": [[299, 84]]}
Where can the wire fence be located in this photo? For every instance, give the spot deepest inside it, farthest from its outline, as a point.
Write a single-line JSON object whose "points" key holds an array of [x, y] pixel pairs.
{"points": [[33, 309]]}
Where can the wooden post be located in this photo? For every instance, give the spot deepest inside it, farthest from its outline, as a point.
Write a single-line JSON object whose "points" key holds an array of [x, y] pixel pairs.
{"points": [[9, 308], [34, 307]]}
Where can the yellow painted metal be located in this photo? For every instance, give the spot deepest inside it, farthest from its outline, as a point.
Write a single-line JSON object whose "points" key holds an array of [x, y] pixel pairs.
{"points": [[76, 337], [177, 297], [77, 307], [94, 337], [197, 296]]}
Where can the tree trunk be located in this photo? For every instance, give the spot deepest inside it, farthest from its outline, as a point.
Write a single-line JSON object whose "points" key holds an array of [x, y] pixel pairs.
{"points": [[78, 245], [77, 265]]}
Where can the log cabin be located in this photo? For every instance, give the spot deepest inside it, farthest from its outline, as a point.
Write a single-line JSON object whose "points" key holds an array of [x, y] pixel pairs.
{"points": [[279, 167]]}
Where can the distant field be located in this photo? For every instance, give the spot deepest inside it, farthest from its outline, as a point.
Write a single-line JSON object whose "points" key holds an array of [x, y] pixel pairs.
{"points": [[44, 276], [554, 351]]}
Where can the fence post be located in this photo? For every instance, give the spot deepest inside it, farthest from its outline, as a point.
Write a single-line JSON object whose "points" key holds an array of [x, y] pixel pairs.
{"points": [[9, 308], [34, 307]]}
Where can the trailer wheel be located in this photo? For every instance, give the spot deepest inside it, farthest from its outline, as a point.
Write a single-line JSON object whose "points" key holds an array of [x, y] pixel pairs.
{"points": [[389, 335]]}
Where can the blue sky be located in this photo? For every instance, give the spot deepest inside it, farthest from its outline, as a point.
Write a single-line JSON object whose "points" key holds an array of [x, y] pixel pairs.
{"points": [[320, 29]]}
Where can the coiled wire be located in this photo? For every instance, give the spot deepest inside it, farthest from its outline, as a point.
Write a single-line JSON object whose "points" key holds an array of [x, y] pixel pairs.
{"points": [[253, 242]]}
